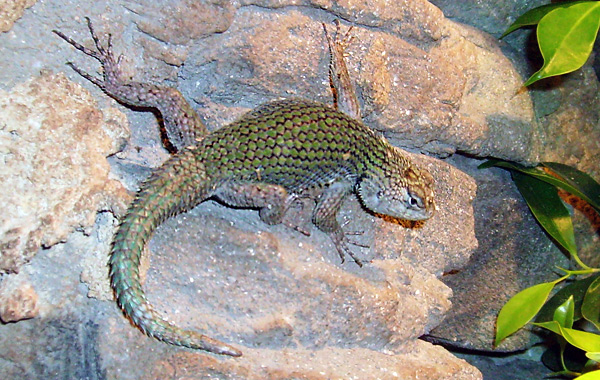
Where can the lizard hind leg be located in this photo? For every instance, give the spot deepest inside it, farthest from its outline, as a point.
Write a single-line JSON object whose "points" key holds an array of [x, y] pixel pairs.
{"points": [[182, 124], [325, 218], [344, 93]]}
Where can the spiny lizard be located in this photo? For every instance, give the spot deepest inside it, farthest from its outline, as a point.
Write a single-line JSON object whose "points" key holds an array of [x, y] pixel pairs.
{"points": [[267, 160]]}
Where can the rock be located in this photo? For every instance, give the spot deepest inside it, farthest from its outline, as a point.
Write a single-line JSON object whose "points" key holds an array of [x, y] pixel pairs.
{"points": [[273, 287], [403, 82], [285, 300], [11, 11], [424, 362], [18, 300], [62, 340], [54, 177], [270, 290], [489, 15], [513, 254]]}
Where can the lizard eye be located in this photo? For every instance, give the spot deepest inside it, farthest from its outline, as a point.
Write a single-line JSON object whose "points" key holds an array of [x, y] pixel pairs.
{"points": [[415, 201]]}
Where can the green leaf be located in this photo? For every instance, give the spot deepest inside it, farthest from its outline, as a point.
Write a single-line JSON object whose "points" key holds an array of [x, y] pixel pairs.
{"points": [[595, 356], [548, 209], [533, 16], [520, 309], [566, 37], [580, 184], [574, 181], [576, 289], [583, 340], [591, 304], [594, 375], [564, 313]]}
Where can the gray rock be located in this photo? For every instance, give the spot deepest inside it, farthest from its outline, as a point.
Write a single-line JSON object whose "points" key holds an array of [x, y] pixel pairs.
{"points": [[513, 254]]}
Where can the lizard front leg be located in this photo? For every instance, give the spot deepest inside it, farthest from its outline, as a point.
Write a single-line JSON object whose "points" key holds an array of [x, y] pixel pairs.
{"points": [[325, 217], [181, 122]]}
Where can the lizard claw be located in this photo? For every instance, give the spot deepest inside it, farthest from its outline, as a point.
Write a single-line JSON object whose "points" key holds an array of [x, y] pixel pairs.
{"points": [[104, 55], [354, 233], [341, 244]]}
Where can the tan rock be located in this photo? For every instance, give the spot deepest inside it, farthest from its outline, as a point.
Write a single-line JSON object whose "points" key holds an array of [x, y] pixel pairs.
{"points": [[53, 145], [18, 300], [11, 11]]}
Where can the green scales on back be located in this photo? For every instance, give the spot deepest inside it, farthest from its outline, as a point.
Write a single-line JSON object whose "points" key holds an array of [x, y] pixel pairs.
{"points": [[293, 143]]}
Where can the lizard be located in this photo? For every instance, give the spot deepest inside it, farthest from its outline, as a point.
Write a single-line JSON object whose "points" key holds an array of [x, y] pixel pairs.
{"points": [[268, 159]]}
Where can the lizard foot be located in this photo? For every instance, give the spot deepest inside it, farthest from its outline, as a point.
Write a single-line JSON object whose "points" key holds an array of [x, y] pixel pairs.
{"points": [[341, 242], [104, 55], [182, 126], [354, 233]]}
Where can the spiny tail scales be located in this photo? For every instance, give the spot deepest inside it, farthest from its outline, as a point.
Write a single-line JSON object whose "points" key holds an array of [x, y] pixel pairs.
{"points": [[176, 187]]}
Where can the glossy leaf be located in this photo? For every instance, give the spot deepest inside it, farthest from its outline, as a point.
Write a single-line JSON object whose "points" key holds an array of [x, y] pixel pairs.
{"points": [[583, 340], [578, 189], [566, 37], [576, 289], [564, 313], [595, 356], [533, 16], [590, 309], [582, 185], [521, 309], [594, 375], [548, 209]]}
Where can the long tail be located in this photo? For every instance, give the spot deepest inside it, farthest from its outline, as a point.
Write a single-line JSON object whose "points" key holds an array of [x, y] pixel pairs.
{"points": [[180, 184]]}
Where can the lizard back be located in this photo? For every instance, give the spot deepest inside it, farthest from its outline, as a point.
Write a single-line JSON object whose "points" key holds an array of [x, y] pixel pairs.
{"points": [[296, 144]]}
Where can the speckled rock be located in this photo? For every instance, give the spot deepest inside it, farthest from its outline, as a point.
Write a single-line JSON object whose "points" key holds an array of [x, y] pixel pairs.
{"points": [[18, 299], [54, 177], [11, 11]]}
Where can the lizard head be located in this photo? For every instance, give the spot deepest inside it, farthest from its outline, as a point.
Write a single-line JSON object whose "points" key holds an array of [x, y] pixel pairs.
{"points": [[401, 191]]}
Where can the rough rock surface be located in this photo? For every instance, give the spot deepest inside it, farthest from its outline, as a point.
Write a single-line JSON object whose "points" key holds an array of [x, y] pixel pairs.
{"points": [[54, 177], [18, 300], [11, 11], [508, 237], [567, 116], [279, 288], [402, 76]]}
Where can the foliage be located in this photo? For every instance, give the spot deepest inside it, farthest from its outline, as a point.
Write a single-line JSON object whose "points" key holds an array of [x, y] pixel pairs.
{"points": [[578, 301], [566, 33]]}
